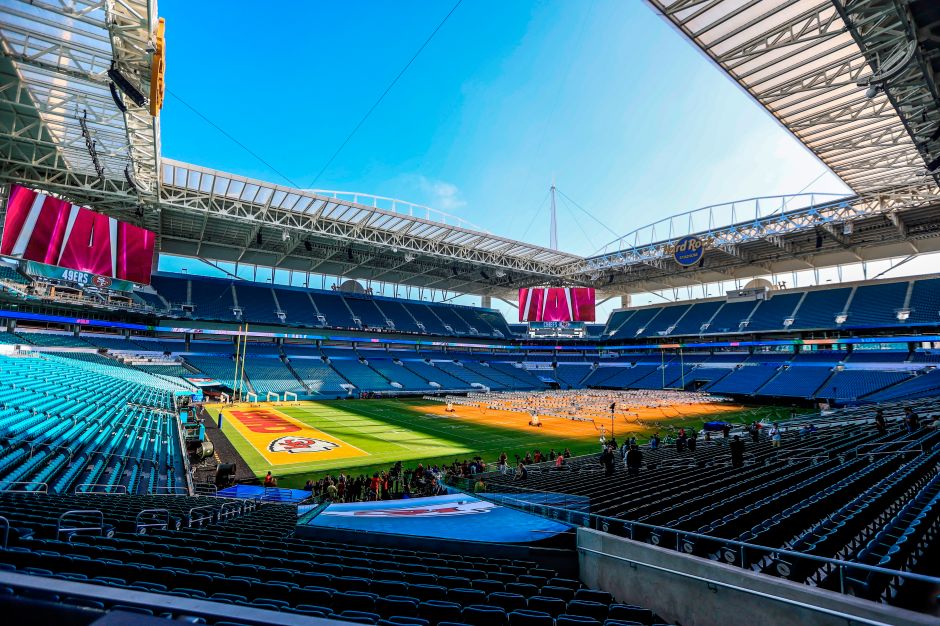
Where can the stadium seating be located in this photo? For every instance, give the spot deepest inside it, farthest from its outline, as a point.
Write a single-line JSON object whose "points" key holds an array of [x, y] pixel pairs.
{"points": [[360, 375], [571, 375], [398, 314], [70, 423], [819, 308], [318, 377], [270, 374], [251, 568], [832, 505], [729, 317], [925, 302], [744, 380], [397, 373], [852, 384], [428, 371], [366, 311], [772, 312], [665, 321], [876, 305], [57, 340], [332, 307], [221, 368], [636, 323], [257, 303], [698, 314], [796, 381]]}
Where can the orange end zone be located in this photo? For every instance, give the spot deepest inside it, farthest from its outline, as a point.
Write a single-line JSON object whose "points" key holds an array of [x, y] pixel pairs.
{"points": [[282, 440]]}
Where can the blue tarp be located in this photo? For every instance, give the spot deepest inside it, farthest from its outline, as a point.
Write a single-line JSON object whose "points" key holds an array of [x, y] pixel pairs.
{"points": [[456, 516], [269, 494]]}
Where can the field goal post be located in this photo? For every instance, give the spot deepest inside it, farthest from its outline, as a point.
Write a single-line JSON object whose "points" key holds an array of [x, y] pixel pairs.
{"points": [[681, 379], [252, 397], [270, 394], [290, 396]]}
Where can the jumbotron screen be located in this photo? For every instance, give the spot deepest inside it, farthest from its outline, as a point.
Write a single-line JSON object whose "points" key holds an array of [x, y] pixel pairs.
{"points": [[48, 230], [556, 304]]}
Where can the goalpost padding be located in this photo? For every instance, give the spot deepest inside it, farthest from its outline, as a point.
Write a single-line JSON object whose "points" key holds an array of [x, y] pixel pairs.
{"points": [[277, 397]]}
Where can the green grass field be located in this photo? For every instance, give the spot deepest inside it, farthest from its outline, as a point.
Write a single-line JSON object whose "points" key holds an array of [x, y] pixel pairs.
{"points": [[398, 430]]}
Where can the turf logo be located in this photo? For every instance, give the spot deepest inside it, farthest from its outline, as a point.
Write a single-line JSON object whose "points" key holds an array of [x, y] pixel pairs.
{"points": [[294, 445]]}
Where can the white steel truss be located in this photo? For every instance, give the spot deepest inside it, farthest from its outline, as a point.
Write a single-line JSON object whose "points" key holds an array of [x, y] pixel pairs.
{"points": [[809, 63]]}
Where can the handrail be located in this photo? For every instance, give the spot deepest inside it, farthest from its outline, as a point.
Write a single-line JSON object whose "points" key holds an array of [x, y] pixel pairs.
{"points": [[201, 518], [140, 528], [852, 619], [606, 524], [104, 493], [6, 531], [168, 491], [205, 489], [45, 486], [51, 447], [229, 510], [79, 529]]}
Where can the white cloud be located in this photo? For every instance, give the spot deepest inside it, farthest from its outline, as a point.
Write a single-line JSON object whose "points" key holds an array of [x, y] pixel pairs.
{"points": [[441, 194]]}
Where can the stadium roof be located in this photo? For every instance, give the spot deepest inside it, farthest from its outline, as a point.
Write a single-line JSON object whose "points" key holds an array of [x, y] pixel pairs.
{"points": [[58, 119], [62, 130], [811, 63]]}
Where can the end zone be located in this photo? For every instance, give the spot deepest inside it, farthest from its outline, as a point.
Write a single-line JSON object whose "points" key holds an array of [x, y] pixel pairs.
{"points": [[283, 440]]}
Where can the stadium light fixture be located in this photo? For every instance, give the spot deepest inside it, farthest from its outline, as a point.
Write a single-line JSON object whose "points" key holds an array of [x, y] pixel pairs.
{"points": [[127, 87], [118, 99]]}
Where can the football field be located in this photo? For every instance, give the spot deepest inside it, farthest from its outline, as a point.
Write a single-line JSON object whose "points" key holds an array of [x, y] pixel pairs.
{"points": [[301, 440]]}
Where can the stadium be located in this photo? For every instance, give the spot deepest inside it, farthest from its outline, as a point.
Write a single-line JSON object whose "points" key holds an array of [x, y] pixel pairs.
{"points": [[373, 411]]}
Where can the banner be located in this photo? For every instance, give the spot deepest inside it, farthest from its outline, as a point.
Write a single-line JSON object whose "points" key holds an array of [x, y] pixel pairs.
{"points": [[456, 516], [78, 277], [48, 230]]}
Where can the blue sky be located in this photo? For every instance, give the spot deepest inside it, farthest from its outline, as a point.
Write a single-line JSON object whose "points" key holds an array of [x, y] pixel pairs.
{"points": [[631, 120]]}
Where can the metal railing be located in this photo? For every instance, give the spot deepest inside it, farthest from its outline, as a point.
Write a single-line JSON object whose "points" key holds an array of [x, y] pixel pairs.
{"points": [[203, 517], [557, 506], [141, 525], [168, 491], [44, 487], [117, 489], [59, 529]]}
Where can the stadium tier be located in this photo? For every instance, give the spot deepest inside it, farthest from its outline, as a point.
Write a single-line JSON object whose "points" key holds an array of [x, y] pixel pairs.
{"points": [[73, 424], [226, 300]]}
